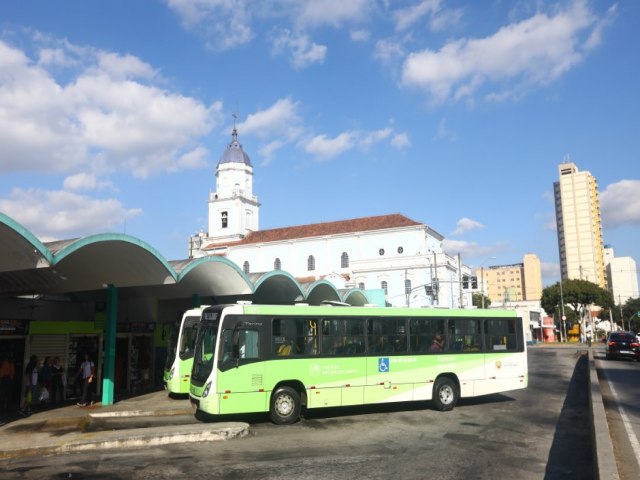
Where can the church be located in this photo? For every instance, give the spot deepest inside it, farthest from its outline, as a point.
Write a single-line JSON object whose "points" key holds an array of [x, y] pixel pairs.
{"points": [[391, 258]]}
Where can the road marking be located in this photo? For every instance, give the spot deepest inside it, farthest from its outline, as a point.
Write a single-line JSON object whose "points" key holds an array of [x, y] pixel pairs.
{"points": [[635, 445]]}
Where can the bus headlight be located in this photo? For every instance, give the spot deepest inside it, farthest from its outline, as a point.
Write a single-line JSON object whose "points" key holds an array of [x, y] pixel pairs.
{"points": [[205, 392], [171, 372]]}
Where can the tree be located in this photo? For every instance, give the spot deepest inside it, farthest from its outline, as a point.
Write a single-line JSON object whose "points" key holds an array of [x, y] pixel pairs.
{"points": [[579, 294], [630, 312], [476, 300]]}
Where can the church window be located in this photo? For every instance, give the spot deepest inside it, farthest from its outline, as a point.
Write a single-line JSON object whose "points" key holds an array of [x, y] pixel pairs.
{"points": [[400, 249], [245, 267], [344, 260], [381, 251], [407, 286], [225, 219], [383, 285], [277, 265], [361, 285], [311, 263]]}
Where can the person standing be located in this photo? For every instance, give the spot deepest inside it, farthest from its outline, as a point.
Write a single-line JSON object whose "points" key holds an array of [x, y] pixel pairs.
{"points": [[88, 374], [45, 380], [57, 383], [31, 384], [7, 372]]}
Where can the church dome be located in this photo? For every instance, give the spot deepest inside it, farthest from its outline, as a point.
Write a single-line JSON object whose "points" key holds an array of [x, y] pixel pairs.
{"points": [[234, 152]]}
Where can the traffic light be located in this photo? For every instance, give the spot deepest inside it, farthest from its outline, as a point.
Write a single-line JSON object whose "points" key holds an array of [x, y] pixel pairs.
{"points": [[465, 282], [474, 283]]}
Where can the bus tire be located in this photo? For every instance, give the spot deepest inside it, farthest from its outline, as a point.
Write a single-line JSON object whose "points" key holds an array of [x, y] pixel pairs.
{"points": [[445, 394], [285, 406]]}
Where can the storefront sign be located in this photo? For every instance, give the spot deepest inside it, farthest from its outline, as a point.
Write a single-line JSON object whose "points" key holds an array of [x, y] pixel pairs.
{"points": [[14, 327]]}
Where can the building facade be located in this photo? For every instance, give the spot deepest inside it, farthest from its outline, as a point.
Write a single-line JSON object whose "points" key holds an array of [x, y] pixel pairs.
{"points": [[622, 276], [398, 256], [504, 284], [579, 225]]}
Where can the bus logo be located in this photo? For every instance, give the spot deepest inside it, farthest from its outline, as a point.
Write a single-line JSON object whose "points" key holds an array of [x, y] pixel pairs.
{"points": [[383, 364]]}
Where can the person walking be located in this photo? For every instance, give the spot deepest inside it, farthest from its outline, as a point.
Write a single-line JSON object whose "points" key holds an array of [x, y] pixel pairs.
{"points": [[88, 374], [57, 382]]}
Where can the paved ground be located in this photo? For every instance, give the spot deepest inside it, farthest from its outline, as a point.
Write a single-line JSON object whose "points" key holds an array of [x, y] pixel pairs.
{"points": [[143, 420], [137, 421]]}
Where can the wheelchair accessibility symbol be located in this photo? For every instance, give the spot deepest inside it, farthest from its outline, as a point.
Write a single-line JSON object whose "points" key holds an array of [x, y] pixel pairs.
{"points": [[383, 364]]}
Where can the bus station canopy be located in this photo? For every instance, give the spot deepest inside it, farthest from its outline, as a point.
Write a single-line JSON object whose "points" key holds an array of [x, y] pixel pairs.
{"points": [[84, 267]]}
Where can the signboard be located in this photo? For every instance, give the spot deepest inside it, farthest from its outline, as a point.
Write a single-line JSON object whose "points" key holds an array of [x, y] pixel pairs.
{"points": [[14, 327]]}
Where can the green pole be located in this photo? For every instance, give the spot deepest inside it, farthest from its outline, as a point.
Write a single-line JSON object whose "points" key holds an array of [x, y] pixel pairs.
{"points": [[110, 345], [196, 301]]}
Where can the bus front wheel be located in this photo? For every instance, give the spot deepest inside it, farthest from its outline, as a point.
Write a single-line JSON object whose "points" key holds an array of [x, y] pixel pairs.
{"points": [[445, 394], [285, 406]]}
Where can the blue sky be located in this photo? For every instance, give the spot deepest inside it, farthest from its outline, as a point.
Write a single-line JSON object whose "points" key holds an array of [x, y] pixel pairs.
{"points": [[456, 114]]}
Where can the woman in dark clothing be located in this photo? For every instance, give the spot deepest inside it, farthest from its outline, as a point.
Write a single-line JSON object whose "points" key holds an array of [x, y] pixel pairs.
{"points": [[57, 385]]}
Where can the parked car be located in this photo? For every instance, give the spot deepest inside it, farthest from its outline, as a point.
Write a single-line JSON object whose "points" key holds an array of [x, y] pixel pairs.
{"points": [[622, 345]]}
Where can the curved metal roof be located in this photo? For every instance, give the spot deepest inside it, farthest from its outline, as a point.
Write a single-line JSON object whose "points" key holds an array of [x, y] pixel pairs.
{"points": [[89, 264], [234, 152]]}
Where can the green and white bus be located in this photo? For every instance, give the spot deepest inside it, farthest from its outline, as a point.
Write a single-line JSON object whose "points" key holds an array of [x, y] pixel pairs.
{"points": [[177, 368], [280, 359]]}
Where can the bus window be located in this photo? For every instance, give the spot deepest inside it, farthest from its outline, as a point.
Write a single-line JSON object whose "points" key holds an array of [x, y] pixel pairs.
{"points": [[294, 336], [428, 335], [342, 336], [501, 334], [387, 335], [240, 344], [465, 335]]}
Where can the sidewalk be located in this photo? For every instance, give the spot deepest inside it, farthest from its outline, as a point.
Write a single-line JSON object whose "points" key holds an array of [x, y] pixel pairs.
{"points": [[149, 419]]}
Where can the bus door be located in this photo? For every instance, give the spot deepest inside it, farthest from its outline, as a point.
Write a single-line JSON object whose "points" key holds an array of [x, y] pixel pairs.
{"points": [[466, 343], [240, 382], [389, 368], [503, 364]]}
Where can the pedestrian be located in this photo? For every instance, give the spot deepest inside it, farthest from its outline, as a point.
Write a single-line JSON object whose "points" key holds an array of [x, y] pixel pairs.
{"points": [[45, 380], [31, 384], [88, 374], [57, 381], [7, 372]]}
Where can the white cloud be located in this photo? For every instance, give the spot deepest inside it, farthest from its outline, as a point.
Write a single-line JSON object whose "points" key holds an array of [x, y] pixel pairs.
{"points": [[532, 52], [620, 204], [226, 24], [332, 13], [550, 270], [388, 50], [325, 148], [400, 141], [360, 35], [469, 249], [407, 17], [55, 215], [85, 181], [281, 119], [466, 225], [303, 51], [375, 137], [104, 119]]}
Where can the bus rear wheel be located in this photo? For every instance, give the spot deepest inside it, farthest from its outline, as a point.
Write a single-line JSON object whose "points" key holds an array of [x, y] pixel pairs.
{"points": [[445, 394], [285, 406]]}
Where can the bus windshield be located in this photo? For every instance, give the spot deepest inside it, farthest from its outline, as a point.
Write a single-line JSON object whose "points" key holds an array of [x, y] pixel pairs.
{"points": [[188, 337], [204, 352]]}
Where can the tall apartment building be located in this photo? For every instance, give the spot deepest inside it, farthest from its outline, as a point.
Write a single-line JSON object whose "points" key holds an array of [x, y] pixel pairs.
{"points": [[512, 283], [579, 225]]}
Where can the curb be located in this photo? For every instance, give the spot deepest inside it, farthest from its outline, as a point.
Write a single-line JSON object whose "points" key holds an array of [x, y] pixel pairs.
{"points": [[138, 438], [605, 460]]}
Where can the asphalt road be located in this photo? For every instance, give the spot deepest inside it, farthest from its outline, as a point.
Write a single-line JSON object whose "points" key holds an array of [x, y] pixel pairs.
{"points": [[540, 432]]}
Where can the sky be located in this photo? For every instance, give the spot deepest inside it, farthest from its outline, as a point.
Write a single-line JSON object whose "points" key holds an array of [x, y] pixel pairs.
{"points": [[456, 114]]}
